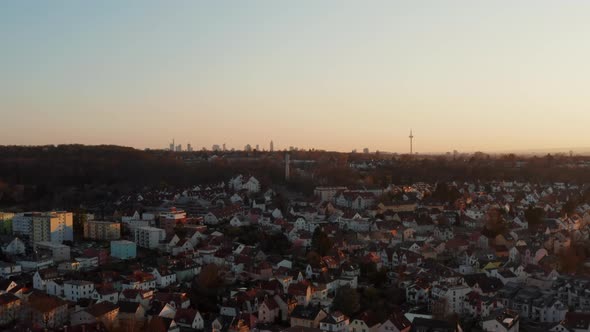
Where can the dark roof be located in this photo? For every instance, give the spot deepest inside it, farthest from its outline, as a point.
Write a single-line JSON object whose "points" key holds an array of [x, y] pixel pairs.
{"points": [[185, 316], [508, 318], [102, 308], [159, 324], [128, 307], [302, 312], [577, 320], [432, 325], [399, 320], [45, 303]]}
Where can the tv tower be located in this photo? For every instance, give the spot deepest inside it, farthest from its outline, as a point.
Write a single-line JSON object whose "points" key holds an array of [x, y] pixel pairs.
{"points": [[411, 143]]}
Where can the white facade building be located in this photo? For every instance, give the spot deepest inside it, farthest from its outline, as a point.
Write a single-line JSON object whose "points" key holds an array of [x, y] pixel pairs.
{"points": [[149, 237], [59, 252], [78, 289]]}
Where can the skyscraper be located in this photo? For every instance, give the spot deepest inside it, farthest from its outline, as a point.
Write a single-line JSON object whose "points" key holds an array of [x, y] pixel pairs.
{"points": [[272, 146]]}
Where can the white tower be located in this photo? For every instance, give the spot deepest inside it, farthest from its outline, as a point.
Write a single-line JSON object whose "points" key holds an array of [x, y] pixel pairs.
{"points": [[411, 143]]}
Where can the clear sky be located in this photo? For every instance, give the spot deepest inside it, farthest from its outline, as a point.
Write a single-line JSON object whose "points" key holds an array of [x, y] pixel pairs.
{"points": [[466, 75]]}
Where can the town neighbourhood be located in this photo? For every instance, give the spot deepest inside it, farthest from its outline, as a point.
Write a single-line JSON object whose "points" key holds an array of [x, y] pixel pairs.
{"points": [[239, 256]]}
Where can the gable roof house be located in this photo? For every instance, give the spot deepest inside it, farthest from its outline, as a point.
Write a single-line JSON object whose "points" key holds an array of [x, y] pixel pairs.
{"points": [[307, 316]]}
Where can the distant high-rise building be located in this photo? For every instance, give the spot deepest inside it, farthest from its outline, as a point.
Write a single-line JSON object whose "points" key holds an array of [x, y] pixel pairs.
{"points": [[179, 148], [272, 146], [366, 150], [257, 147], [353, 150], [224, 149], [172, 145], [287, 164], [248, 148], [102, 230], [189, 148], [215, 147]]}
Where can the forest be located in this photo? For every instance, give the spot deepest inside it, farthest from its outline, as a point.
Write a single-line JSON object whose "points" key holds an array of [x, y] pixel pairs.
{"points": [[66, 176]]}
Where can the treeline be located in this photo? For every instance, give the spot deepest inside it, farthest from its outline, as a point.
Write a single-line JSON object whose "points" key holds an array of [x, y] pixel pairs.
{"points": [[536, 170], [65, 176]]}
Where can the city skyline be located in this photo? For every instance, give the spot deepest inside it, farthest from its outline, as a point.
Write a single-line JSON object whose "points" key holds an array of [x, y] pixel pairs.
{"points": [[470, 76]]}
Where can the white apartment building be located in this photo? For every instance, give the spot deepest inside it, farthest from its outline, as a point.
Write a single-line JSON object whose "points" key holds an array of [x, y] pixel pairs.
{"points": [[78, 289], [149, 237]]}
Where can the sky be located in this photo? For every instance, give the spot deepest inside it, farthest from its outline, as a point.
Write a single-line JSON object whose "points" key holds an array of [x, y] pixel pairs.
{"points": [[335, 75]]}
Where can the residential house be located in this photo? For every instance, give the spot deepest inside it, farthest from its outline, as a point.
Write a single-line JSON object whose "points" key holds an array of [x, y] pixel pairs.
{"points": [[41, 277], [189, 318], [131, 314], [301, 291], [103, 312], [365, 322], [335, 322], [268, 311], [164, 277], [307, 316], [503, 320], [162, 324], [46, 311], [14, 247], [75, 290]]}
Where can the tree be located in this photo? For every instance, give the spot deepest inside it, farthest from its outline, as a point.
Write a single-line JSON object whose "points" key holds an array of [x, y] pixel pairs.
{"points": [[275, 243], [571, 259], [347, 300], [209, 277], [368, 268], [320, 242], [378, 278], [534, 216], [495, 223], [79, 220], [313, 258], [569, 207]]}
